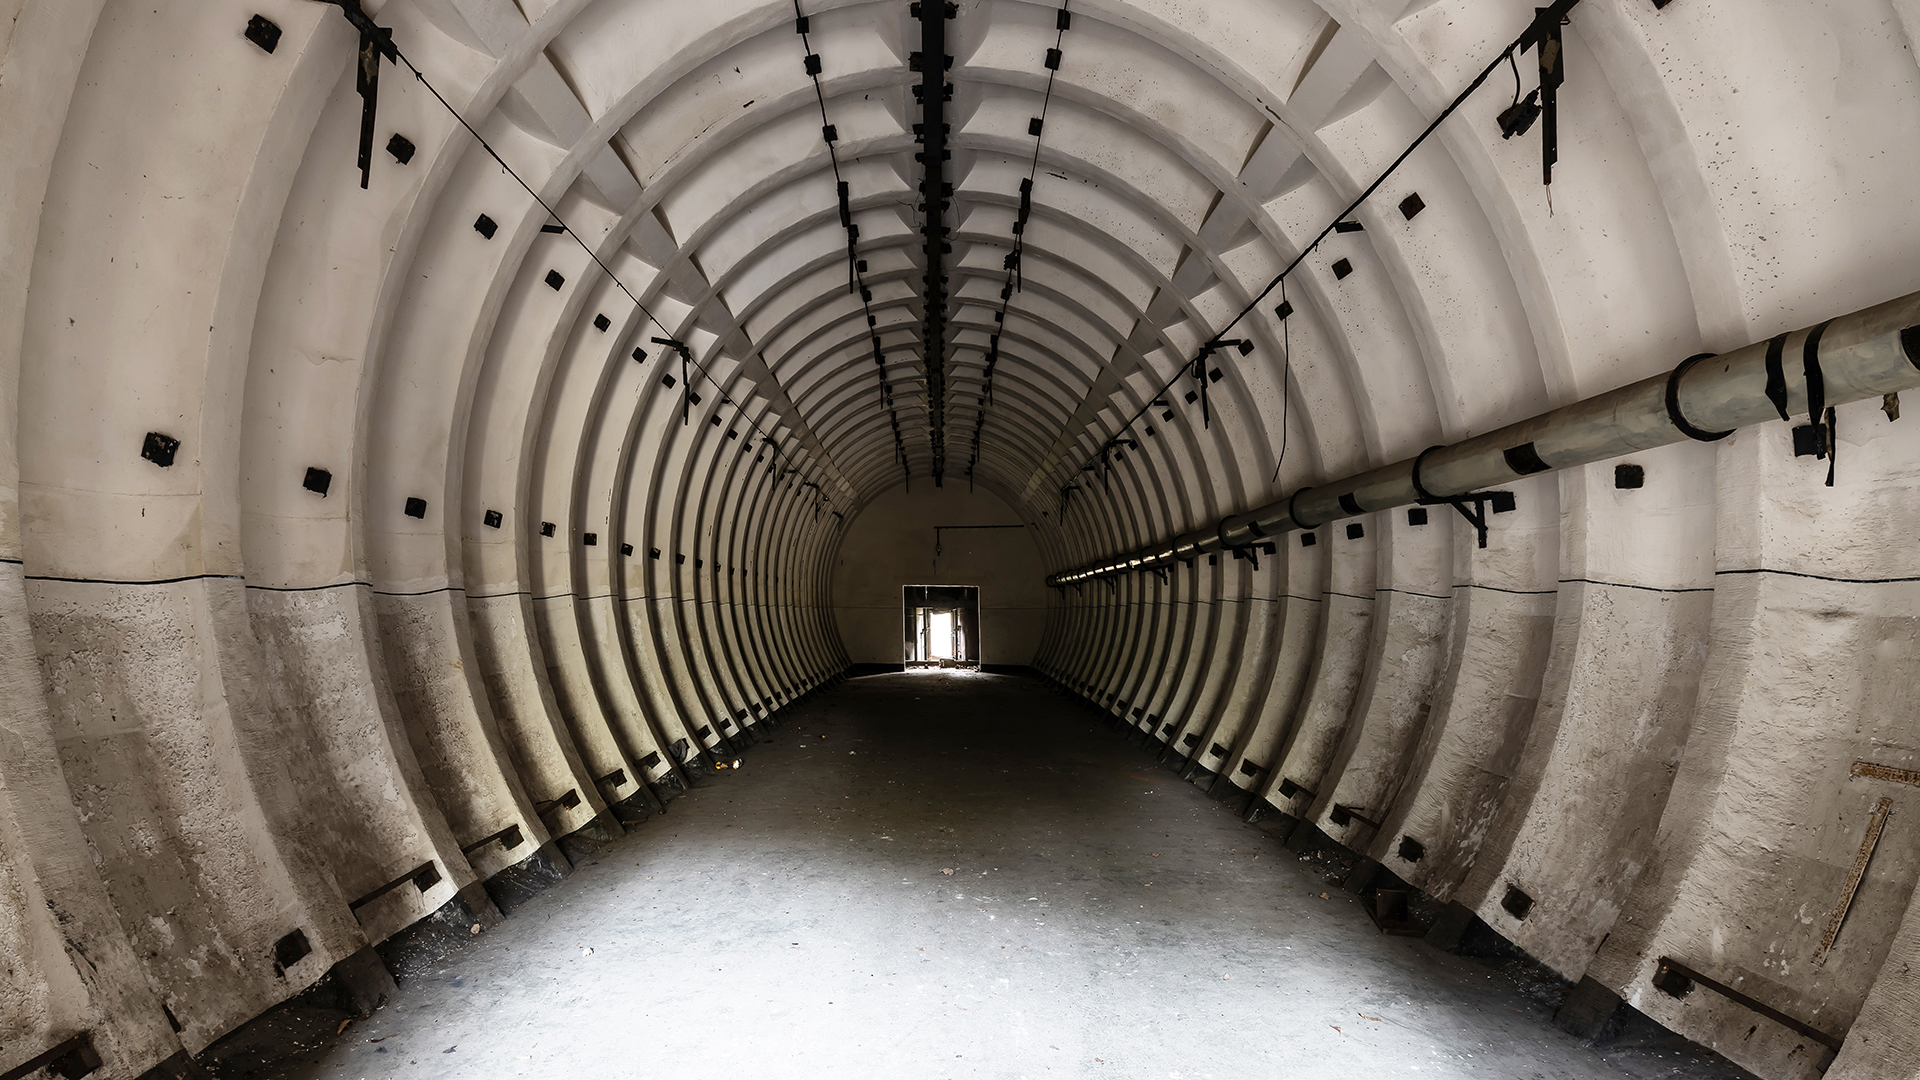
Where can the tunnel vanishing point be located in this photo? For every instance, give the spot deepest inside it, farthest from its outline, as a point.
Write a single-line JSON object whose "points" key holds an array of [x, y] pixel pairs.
{"points": [[434, 433]]}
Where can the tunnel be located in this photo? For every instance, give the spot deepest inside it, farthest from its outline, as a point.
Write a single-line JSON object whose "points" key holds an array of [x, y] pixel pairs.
{"points": [[812, 506]]}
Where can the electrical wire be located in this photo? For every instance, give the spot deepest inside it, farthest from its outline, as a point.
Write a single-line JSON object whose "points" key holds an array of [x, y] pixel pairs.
{"points": [[421, 77], [1506, 55], [1286, 382], [856, 277], [1016, 271]]}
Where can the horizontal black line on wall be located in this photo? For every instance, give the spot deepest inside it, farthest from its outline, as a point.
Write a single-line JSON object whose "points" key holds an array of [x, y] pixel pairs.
{"points": [[1533, 592], [312, 588], [156, 581], [1184, 600], [1625, 585], [1823, 577]]}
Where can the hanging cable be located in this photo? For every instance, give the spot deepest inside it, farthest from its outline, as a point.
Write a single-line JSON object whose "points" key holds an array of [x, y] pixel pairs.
{"points": [[364, 23], [933, 61], [1286, 376], [1544, 31], [856, 266], [1014, 262]]}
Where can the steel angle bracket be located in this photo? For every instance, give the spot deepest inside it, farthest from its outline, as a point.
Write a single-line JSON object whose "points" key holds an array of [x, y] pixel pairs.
{"points": [[376, 44], [1500, 501]]}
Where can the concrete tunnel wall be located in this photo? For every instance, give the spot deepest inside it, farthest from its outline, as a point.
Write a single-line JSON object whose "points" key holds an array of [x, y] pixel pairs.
{"points": [[231, 706]]}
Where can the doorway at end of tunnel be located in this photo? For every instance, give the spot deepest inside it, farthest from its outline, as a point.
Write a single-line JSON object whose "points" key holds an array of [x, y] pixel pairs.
{"points": [[942, 626]]}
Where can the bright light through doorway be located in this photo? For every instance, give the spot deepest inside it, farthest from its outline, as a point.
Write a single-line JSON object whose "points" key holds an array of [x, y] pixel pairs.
{"points": [[942, 626], [940, 636]]}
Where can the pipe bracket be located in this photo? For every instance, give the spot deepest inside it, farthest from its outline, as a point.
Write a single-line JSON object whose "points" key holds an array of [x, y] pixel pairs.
{"points": [[1418, 487], [1293, 511], [1679, 421]]}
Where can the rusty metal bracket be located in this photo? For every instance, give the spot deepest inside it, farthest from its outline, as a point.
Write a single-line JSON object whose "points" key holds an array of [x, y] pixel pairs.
{"points": [[74, 1056], [1291, 790], [1344, 815], [1677, 980], [424, 877], [1886, 772], [509, 838], [1875, 826]]}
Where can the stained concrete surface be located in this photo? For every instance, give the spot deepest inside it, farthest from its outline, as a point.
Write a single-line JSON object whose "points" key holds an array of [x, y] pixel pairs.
{"points": [[947, 874]]}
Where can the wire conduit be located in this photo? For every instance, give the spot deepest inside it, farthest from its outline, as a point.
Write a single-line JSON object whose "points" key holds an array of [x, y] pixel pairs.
{"points": [[1867, 354]]}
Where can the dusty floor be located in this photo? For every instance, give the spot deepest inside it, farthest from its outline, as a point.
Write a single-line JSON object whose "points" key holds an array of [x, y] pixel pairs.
{"points": [[943, 874]]}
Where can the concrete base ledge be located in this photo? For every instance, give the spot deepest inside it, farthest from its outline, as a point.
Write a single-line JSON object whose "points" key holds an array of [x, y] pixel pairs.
{"points": [[361, 983], [636, 808], [432, 938], [1200, 777], [1591, 1012], [586, 841], [177, 1067], [528, 878], [1364, 876], [1275, 823], [1460, 931], [1306, 838]]}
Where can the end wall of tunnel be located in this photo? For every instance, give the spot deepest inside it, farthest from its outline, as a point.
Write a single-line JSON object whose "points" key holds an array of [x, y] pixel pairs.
{"points": [[939, 536], [361, 544]]}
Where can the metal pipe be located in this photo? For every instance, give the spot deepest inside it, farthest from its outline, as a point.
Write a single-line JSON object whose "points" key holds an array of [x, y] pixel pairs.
{"points": [[1867, 354]]}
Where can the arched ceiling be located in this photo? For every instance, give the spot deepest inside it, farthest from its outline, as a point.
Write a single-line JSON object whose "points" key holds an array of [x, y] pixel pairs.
{"points": [[395, 477], [1184, 159], [1187, 155]]}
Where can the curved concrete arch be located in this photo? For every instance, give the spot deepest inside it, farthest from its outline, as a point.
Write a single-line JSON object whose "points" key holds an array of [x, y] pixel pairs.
{"points": [[263, 695]]}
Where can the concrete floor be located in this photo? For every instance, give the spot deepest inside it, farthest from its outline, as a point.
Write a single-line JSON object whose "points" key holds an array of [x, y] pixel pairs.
{"points": [[942, 874]]}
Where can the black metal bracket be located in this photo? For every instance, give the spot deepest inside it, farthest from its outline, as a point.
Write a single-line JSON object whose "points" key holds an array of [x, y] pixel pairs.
{"points": [[686, 379], [1677, 980], [509, 838], [1161, 573], [424, 877], [1500, 501], [74, 1056], [1252, 552], [1343, 815], [938, 529], [1290, 790], [376, 44], [1199, 374], [1545, 38]]}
